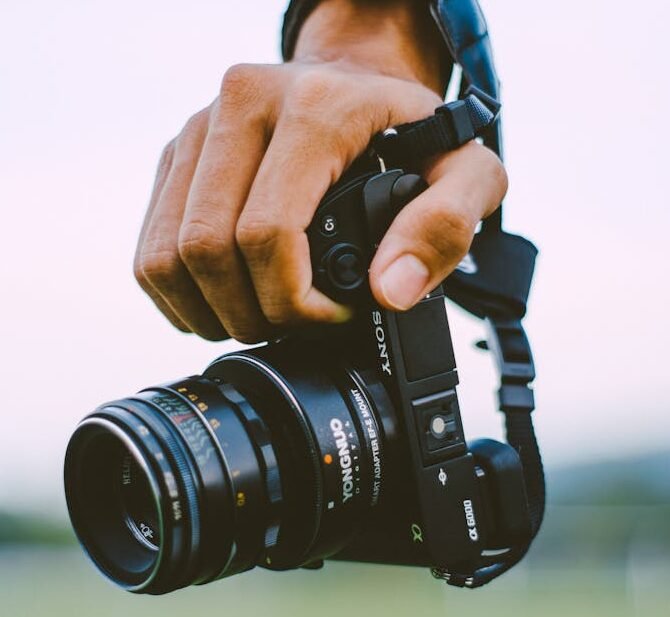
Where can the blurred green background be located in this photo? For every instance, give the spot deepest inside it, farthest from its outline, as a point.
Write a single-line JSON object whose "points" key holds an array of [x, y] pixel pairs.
{"points": [[604, 550]]}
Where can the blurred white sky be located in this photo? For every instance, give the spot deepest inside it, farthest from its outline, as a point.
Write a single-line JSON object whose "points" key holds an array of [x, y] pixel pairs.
{"points": [[91, 91]]}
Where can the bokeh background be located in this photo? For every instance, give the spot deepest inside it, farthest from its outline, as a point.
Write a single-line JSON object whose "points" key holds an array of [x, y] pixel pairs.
{"points": [[90, 91]]}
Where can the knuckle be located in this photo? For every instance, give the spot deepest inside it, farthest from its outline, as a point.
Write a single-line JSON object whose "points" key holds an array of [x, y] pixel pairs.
{"points": [[499, 174], [243, 97], [194, 126], [167, 154], [238, 75], [458, 231], [186, 143], [254, 233], [201, 245], [311, 91], [448, 231], [323, 104], [240, 83], [492, 166], [159, 268]]}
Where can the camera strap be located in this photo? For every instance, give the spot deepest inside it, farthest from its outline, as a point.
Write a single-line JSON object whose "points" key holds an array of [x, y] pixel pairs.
{"points": [[507, 341], [493, 281], [465, 33], [452, 125]]}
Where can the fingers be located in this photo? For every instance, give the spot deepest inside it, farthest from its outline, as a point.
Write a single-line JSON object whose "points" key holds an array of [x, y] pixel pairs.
{"points": [[270, 232], [230, 157], [164, 166], [159, 265], [430, 235], [324, 124], [223, 247]]}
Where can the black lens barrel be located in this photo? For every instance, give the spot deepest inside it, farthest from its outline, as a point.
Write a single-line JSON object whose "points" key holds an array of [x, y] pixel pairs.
{"points": [[257, 462]]}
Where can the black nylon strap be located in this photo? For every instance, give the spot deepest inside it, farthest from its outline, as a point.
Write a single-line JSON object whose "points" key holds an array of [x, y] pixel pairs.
{"points": [[495, 278], [521, 436], [507, 341], [465, 32], [452, 125]]}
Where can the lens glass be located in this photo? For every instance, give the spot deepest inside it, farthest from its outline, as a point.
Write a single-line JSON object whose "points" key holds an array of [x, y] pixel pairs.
{"points": [[112, 504], [137, 501]]}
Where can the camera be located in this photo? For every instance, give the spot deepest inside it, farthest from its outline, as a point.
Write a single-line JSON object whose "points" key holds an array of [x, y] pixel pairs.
{"points": [[345, 442], [341, 442]]}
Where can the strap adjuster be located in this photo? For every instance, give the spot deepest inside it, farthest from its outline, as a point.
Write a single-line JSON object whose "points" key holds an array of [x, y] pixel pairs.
{"points": [[471, 115], [507, 341], [451, 126], [514, 397]]}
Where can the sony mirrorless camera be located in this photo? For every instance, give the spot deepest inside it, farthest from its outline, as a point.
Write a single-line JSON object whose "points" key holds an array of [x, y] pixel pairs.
{"points": [[344, 443]]}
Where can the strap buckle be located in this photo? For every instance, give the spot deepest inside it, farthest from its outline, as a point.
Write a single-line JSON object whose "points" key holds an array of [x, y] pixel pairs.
{"points": [[507, 341]]}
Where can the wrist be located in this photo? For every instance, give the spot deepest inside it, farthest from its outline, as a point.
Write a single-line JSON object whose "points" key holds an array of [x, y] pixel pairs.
{"points": [[396, 38]]}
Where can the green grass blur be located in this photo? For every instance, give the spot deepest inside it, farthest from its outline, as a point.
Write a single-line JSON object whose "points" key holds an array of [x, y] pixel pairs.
{"points": [[604, 550], [61, 583]]}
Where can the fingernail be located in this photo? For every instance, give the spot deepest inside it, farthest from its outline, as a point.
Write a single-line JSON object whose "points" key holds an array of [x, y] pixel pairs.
{"points": [[404, 281]]}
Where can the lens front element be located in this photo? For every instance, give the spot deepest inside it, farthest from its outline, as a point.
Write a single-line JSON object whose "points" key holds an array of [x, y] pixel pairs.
{"points": [[138, 503]]}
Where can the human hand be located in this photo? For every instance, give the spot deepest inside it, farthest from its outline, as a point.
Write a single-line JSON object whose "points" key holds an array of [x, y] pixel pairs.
{"points": [[223, 247]]}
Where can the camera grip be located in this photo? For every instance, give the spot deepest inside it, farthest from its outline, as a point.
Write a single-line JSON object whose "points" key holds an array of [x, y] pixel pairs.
{"points": [[348, 226]]}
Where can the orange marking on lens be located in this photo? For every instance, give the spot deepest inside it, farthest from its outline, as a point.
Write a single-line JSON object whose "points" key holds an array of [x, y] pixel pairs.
{"points": [[328, 459]]}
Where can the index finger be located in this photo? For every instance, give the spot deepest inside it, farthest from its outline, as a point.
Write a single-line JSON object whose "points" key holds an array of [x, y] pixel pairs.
{"points": [[292, 179]]}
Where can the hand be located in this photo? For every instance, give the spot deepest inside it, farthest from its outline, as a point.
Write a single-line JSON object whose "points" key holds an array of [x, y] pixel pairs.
{"points": [[223, 248]]}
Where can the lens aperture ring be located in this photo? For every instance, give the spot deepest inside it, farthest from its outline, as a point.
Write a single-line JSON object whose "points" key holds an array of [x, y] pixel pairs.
{"points": [[243, 519], [213, 488]]}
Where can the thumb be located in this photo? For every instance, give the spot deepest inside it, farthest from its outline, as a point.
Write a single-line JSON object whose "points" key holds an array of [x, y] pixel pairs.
{"points": [[433, 232]]}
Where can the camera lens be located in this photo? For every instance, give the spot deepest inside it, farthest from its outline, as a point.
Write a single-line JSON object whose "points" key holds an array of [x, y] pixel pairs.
{"points": [[118, 516], [272, 457], [138, 502]]}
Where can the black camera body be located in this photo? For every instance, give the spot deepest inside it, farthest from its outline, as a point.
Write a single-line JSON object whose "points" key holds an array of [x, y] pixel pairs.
{"points": [[341, 443]]}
